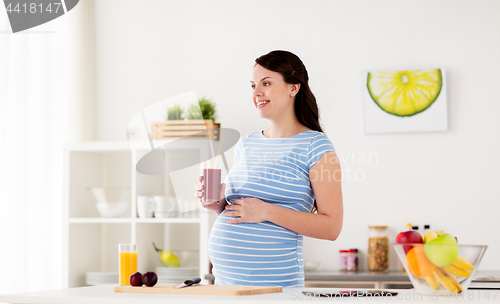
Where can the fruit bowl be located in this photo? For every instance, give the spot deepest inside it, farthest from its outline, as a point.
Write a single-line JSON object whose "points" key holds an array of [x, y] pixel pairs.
{"points": [[187, 258], [442, 269]]}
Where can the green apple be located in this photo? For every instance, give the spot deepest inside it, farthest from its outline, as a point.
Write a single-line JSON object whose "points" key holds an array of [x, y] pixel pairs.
{"points": [[442, 250]]}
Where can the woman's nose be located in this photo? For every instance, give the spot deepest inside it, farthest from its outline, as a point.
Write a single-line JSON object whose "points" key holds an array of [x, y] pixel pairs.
{"points": [[257, 92]]}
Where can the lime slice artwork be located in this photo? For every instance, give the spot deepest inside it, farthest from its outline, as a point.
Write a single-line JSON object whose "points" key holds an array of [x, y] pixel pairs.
{"points": [[405, 93]]}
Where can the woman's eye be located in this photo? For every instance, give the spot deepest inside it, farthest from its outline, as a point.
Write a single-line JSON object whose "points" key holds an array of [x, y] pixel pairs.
{"points": [[266, 83], [253, 86]]}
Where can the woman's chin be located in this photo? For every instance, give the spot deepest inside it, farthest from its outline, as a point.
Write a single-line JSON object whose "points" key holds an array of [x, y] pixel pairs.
{"points": [[263, 115]]}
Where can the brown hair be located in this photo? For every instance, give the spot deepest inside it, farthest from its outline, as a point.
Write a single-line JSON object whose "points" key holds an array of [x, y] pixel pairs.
{"points": [[293, 71]]}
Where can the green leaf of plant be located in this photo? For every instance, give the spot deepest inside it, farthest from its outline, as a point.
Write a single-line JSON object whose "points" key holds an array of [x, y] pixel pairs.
{"points": [[205, 106], [175, 112]]}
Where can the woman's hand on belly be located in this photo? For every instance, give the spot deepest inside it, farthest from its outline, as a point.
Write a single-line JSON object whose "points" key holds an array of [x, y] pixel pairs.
{"points": [[247, 210]]}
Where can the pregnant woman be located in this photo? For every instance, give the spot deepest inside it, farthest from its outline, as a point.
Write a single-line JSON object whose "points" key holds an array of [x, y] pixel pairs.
{"points": [[285, 184]]}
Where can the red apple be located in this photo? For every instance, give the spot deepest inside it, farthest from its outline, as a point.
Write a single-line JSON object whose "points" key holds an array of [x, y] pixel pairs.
{"points": [[409, 237]]}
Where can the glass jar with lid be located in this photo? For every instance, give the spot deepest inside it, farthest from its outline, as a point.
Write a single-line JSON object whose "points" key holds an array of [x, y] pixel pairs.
{"points": [[342, 260], [352, 260], [378, 248]]}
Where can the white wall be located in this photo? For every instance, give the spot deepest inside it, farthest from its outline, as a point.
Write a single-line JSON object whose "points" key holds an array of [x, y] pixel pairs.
{"points": [[149, 50]]}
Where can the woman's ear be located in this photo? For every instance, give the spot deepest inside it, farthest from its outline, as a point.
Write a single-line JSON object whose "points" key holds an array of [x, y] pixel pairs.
{"points": [[294, 89]]}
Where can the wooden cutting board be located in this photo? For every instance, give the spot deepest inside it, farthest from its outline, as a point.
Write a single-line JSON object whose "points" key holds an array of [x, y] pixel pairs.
{"points": [[224, 290]]}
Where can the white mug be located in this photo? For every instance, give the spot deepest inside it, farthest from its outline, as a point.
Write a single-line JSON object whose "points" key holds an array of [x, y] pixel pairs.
{"points": [[174, 211], [145, 206], [164, 207]]}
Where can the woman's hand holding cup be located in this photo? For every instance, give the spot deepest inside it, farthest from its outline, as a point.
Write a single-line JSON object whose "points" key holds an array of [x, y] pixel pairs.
{"points": [[217, 206]]}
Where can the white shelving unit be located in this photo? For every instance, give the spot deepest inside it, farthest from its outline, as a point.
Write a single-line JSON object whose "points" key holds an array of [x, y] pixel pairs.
{"points": [[91, 242]]}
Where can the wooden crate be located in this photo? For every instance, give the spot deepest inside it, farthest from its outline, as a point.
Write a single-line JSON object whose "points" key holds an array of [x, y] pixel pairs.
{"points": [[174, 129]]}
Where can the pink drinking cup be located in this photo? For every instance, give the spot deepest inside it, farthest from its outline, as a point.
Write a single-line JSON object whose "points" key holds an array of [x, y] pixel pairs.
{"points": [[211, 185]]}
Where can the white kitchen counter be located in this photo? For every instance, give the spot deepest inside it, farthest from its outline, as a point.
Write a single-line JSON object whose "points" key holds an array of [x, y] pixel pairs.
{"points": [[106, 295]]}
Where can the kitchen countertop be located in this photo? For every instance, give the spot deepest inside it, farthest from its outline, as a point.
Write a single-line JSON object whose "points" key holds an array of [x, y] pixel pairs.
{"points": [[373, 276], [105, 295], [393, 276]]}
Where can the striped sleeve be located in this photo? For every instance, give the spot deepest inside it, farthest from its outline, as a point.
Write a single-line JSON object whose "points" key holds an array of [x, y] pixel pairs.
{"points": [[238, 149], [320, 144]]}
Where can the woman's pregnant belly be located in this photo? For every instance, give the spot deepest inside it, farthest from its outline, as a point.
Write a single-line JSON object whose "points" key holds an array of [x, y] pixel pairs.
{"points": [[255, 254]]}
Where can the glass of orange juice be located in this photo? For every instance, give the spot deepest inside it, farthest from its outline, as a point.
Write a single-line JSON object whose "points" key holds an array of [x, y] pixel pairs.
{"points": [[128, 262]]}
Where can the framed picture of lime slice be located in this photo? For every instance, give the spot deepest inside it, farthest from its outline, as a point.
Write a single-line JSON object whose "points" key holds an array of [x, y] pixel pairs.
{"points": [[405, 101]]}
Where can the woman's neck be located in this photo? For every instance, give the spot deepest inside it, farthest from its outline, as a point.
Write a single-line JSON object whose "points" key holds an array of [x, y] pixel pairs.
{"points": [[285, 127]]}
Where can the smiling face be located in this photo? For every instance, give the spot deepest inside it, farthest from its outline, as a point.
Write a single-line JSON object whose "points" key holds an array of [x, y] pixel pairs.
{"points": [[272, 96]]}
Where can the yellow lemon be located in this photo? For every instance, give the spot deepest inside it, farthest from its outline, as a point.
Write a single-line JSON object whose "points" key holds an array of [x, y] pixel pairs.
{"points": [[405, 93]]}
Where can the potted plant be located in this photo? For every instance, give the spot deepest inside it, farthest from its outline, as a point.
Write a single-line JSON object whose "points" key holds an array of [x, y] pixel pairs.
{"points": [[199, 118]]}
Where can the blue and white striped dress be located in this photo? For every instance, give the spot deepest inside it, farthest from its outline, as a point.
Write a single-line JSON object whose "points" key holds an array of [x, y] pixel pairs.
{"points": [[275, 170]]}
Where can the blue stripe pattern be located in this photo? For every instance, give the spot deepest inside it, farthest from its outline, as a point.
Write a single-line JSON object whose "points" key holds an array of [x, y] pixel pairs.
{"points": [[275, 170]]}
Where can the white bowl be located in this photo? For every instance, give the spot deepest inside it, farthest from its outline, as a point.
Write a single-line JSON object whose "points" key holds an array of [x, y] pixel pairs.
{"points": [[311, 266], [111, 209], [110, 194], [428, 278], [111, 201], [188, 258]]}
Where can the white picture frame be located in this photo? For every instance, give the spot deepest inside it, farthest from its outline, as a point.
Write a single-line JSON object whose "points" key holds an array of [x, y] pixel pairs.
{"points": [[432, 119]]}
